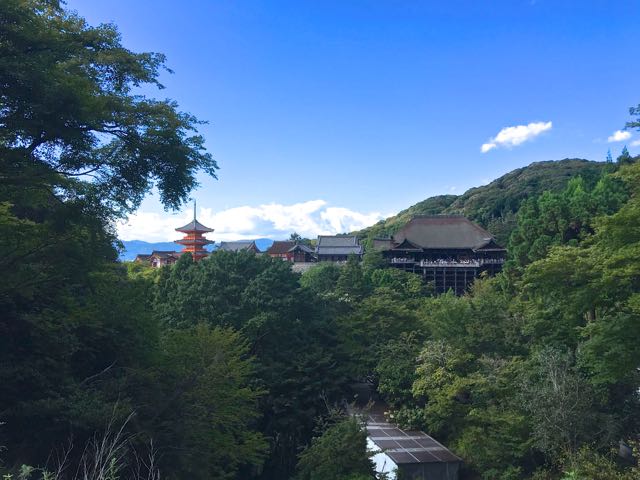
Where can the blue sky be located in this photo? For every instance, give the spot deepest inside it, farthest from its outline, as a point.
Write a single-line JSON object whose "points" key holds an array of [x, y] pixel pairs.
{"points": [[327, 115]]}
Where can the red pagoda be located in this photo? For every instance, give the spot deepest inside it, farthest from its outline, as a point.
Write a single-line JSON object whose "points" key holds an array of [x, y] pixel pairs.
{"points": [[194, 240]]}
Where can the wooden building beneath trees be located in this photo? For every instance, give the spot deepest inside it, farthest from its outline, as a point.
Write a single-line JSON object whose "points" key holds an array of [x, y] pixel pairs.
{"points": [[159, 258], [448, 251]]}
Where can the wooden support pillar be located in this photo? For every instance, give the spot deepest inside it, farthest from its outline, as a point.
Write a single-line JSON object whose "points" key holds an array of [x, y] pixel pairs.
{"points": [[455, 281]]}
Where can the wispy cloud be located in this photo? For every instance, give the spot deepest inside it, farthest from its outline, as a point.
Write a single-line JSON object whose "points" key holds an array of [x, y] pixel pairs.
{"points": [[619, 136], [513, 136], [635, 143], [272, 220]]}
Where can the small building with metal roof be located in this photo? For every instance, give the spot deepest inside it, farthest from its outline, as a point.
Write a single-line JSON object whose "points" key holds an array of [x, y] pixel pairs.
{"points": [[409, 454]]}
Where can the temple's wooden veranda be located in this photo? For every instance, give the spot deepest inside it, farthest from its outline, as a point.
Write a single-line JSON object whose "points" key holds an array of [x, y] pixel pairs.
{"points": [[448, 251]]}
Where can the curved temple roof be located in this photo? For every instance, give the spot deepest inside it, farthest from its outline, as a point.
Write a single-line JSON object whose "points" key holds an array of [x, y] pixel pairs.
{"points": [[443, 232], [194, 226]]}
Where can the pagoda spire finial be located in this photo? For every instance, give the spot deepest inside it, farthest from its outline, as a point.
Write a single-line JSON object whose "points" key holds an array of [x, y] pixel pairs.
{"points": [[194, 208]]}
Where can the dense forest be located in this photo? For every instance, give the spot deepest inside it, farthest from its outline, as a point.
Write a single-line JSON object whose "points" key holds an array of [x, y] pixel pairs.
{"points": [[235, 367]]}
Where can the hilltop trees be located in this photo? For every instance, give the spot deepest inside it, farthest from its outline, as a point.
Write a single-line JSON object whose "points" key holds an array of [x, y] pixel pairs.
{"points": [[494, 205], [563, 218]]}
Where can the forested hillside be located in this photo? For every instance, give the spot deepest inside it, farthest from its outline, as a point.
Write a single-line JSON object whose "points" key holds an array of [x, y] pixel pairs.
{"points": [[236, 367], [494, 205]]}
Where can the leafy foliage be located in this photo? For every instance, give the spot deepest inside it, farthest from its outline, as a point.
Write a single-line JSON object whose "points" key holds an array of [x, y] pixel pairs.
{"points": [[207, 406], [563, 218], [290, 331], [339, 453], [69, 113], [78, 148]]}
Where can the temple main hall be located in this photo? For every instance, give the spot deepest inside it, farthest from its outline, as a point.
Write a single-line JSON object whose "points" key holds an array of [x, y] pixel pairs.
{"points": [[448, 251]]}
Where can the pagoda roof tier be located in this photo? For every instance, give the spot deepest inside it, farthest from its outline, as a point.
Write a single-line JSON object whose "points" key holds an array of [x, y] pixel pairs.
{"points": [[194, 226], [192, 241]]}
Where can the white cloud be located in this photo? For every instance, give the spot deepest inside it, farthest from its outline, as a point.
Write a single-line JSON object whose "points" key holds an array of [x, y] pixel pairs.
{"points": [[513, 136], [272, 220], [619, 136], [343, 220], [635, 143]]}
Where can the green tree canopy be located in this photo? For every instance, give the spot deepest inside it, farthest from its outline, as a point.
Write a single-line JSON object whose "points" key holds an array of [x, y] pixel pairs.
{"points": [[207, 410], [291, 332], [339, 453], [73, 121]]}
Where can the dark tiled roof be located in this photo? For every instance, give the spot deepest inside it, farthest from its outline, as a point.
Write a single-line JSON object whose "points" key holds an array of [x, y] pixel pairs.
{"points": [[443, 232], [337, 241], [406, 446], [302, 247], [165, 253], [194, 226], [280, 246], [238, 246], [407, 245], [338, 245], [143, 257]]}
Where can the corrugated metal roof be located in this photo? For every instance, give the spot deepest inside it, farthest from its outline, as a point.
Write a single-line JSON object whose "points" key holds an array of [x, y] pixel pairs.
{"points": [[406, 446]]}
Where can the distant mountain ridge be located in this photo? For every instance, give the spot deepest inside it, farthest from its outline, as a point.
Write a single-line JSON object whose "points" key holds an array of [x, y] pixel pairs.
{"points": [[494, 205], [135, 247]]}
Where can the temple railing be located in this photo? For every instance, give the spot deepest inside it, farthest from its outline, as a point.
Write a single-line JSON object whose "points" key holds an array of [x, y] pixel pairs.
{"points": [[492, 261], [403, 260], [443, 263], [478, 262]]}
